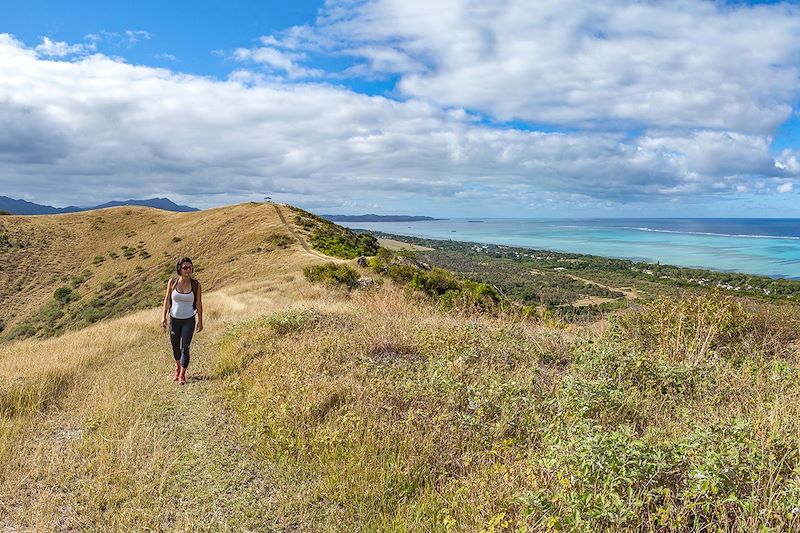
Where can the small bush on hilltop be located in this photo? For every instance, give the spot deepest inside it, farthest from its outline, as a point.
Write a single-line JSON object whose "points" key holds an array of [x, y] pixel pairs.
{"points": [[333, 274]]}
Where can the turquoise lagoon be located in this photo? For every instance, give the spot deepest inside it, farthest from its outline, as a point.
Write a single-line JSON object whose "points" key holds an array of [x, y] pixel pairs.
{"points": [[769, 247]]}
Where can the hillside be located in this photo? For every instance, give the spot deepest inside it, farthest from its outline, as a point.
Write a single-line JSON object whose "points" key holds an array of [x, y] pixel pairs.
{"points": [[419, 403], [115, 260]]}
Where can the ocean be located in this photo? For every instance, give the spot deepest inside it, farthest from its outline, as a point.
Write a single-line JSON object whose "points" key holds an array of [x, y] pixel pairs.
{"points": [[764, 246]]}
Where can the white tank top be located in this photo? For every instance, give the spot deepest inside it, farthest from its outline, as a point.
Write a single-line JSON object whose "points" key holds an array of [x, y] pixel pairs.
{"points": [[182, 304]]}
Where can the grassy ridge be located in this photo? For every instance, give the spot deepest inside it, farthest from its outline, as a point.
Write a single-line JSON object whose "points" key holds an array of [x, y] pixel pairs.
{"points": [[115, 261]]}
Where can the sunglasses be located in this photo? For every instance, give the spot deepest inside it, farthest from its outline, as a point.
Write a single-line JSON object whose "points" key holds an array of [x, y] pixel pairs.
{"points": [[187, 267]]}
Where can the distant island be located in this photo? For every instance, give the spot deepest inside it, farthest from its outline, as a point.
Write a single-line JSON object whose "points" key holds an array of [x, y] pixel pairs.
{"points": [[22, 207], [376, 218]]}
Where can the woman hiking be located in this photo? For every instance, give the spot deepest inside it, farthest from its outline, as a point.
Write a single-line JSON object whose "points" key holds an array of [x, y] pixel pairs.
{"points": [[182, 301]]}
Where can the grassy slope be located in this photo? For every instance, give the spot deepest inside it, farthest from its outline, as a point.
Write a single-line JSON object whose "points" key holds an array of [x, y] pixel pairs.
{"points": [[374, 411], [94, 435], [229, 245]]}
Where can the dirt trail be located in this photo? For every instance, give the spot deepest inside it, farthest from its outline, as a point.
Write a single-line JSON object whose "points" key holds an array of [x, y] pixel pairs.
{"points": [[131, 450], [627, 291]]}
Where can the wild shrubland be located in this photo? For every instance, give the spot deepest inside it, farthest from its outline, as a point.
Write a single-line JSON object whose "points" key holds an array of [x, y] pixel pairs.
{"points": [[392, 414]]}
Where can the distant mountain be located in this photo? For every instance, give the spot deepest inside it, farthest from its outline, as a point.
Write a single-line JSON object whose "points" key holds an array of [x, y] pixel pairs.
{"points": [[22, 207], [376, 218], [159, 203]]}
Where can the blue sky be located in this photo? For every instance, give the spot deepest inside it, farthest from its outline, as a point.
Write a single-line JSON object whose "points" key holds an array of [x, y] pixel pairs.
{"points": [[449, 108]]}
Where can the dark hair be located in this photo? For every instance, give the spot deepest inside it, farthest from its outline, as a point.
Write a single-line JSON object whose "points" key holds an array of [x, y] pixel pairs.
{"points": [[181, 262]]}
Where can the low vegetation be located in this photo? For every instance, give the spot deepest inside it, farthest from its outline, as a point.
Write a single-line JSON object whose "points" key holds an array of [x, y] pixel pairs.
{"points": [[333, 274], [333, 240], [548, 275], [393, 416]]}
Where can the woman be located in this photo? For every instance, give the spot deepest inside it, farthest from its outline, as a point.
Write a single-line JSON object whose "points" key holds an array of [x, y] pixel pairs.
{"points": [[183, 300]]}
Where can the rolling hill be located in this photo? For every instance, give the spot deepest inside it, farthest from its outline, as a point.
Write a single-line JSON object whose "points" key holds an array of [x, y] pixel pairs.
{"points": [[114, 260]]}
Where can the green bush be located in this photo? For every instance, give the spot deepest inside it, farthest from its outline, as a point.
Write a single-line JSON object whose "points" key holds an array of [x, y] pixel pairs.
{"points": [[333, 274], [64, 295], [341, 242], [435, 282]]}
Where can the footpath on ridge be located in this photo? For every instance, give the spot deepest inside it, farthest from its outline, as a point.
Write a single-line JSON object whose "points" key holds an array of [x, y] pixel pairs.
{"points": [[125, 448], [298, 238], [132, 450]]}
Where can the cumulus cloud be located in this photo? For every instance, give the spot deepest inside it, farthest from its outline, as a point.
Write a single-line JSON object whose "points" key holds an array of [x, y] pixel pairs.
{"points": [[693, 64], [107, 128]]}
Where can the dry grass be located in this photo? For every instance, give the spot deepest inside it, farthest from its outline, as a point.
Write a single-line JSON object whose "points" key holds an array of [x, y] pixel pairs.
{"points": [[96, 436]]}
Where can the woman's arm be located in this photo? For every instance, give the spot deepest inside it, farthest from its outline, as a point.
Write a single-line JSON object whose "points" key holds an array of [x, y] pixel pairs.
{"points": [[199, 304], [165, 305]]}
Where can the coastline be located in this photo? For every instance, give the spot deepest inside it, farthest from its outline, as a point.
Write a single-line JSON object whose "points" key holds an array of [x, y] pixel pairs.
{"points": [[773, 256]]}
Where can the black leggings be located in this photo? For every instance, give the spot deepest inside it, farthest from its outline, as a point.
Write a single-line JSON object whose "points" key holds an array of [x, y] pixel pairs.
{"points": [[180, 334]]}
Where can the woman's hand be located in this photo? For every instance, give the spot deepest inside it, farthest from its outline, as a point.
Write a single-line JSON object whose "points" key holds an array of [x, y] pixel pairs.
{"points": [[199, 326], [164, 322]]}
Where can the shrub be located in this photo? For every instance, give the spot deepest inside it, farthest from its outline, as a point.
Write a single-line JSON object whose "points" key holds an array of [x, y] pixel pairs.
{"points": [[279, 240], [333, 274], [334, 240], [435, 282], [64, 295], [689, 328]]}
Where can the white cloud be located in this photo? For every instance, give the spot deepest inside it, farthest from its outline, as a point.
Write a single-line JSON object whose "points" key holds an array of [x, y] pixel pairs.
{"points": [[134, 36], [91, 129], [691, 64], [51, 48], [277, 60], [785, 187], [127, 37]]}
